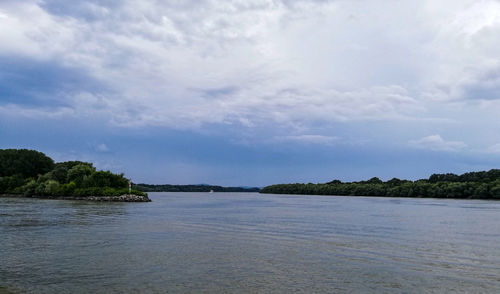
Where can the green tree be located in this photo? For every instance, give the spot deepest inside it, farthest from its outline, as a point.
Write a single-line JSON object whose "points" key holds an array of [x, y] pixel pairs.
{"points": [[105, 179], [51, 187], [27, 163], [79, 173], [29, 188], [495, 192]]}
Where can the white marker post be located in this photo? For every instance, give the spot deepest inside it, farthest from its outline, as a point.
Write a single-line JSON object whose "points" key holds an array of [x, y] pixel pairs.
{"points": [[129, 186]]}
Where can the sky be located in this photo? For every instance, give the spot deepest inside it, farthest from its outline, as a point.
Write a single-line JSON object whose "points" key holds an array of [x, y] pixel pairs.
{"points": [[254, 92]]}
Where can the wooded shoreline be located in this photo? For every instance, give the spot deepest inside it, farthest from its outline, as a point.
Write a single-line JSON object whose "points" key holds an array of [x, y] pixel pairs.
{"points": [[471, 185], [31, 173]]}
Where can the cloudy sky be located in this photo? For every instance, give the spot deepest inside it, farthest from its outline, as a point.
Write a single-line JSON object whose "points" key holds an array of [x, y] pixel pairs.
{"points": [[254, 92]]}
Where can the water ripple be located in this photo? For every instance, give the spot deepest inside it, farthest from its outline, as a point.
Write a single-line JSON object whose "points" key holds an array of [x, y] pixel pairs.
{"points": [[250, 243]]}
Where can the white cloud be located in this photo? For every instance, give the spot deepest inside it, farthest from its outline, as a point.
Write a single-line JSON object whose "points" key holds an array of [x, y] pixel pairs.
{"points": [[260, 63], [12, 110], [493, 149], [436, 143], [309, 139], [102, 147], [462, 51]]}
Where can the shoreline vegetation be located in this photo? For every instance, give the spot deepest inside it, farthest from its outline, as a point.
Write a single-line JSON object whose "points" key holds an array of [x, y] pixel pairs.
{"points": [[471, 185], [30, 173], [191, 188]]}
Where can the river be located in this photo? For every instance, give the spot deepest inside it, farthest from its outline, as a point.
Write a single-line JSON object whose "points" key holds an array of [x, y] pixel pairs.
{"points": [[250, 243]]}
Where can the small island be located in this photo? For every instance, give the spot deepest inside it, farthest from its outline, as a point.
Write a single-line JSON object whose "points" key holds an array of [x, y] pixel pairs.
{"points": [[30, 173], [471, 185]]}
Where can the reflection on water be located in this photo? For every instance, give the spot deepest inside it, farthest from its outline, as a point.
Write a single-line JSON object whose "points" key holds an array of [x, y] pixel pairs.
{"points": [[246, 242]]}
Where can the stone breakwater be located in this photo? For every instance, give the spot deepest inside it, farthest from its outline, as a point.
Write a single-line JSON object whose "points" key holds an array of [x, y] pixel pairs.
{"points": [[121, 198]]}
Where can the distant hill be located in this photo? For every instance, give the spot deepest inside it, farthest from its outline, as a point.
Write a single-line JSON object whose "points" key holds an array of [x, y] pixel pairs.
{"points": [[191, 188]]}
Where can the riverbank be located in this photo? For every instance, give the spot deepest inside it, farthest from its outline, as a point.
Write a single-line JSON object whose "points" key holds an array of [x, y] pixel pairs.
{"points": [[471, 185], [121, 198]]}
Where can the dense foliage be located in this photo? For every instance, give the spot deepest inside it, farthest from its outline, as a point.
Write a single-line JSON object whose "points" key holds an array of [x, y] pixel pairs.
{"points": [[32, 173], [23, 162], [191, 188], [477, 185]]}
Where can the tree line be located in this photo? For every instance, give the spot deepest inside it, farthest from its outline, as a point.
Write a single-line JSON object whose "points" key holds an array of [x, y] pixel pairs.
{"points": [[471, 185], [191, 188], [32, 173]]}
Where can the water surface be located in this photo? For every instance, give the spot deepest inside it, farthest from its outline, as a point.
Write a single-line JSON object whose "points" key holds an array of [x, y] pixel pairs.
{"points": [[250, 243]]}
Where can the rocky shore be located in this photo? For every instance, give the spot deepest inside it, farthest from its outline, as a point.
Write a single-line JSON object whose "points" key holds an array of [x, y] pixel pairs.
{"points": [[121, 198]]}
